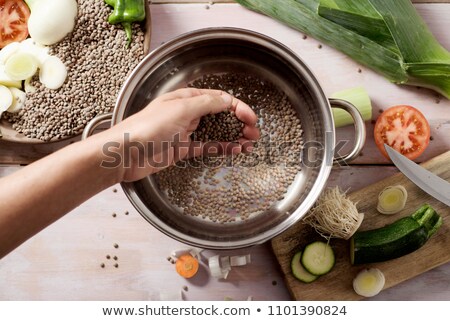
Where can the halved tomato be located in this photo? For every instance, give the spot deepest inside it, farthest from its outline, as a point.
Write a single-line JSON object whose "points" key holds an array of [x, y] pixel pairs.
{"points": [[13, 21], [405, 129]]}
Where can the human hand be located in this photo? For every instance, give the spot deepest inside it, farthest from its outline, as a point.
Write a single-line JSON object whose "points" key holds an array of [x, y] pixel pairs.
{"points": [[159, 135]]}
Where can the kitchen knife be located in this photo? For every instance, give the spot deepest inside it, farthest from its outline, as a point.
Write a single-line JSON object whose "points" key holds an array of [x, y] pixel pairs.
{"points": [[426, 180]]}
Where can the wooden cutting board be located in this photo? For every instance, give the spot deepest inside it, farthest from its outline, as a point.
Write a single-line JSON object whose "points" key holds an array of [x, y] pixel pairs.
{"points": [[337, 285]]}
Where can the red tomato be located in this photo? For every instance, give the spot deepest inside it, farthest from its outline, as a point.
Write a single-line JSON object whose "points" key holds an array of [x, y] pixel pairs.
{"points": [[14, 17], [405, 129]]}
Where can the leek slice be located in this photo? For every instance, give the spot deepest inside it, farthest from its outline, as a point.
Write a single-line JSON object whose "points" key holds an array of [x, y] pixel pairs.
{"points": [[359, 98], [21, 66], [5, 80], [392, 199], [8, 51], [369, 282]]}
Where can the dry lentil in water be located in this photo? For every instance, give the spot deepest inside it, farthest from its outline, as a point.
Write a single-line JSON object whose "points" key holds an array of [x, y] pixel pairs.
{"points": [[234, 188], [97, 62]]}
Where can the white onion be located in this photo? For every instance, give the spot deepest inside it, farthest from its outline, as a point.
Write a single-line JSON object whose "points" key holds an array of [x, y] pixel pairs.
{"points": [[51, 20]]}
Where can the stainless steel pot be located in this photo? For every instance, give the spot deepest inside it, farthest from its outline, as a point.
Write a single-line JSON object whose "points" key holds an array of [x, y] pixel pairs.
{"points": [[218, 50]]}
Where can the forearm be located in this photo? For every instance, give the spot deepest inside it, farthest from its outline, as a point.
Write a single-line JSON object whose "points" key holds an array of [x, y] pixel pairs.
{"points": [[44, 191]]}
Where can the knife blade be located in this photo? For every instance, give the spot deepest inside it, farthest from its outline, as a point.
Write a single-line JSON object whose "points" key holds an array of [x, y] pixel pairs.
{"points": [[426, 180]]}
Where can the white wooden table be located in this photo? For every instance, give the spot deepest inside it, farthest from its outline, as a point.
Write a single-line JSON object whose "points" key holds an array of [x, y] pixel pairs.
{"points": [[64, 261]]}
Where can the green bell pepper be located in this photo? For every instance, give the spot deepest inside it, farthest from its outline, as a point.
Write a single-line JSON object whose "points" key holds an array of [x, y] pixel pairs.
{"points": [[126, 12]]}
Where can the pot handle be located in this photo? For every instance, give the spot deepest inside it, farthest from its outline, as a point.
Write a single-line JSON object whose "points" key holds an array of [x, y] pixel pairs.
{"points": [[95, 123], [360, 130]]}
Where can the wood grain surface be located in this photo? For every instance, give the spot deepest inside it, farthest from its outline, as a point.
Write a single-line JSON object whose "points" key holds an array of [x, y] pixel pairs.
{"points": [[63, 261], [337, 285]]}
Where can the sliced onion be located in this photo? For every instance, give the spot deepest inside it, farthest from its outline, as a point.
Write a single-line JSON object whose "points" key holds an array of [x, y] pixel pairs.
{"points": [[29, 88], [19, 98], [195, 252], [41, 53], [6, 98], [220, 266], [240, 260], [217, 270], [53, 73]]}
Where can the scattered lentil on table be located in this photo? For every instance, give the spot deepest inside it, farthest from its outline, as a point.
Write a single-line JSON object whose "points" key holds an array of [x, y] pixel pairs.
{"points": [[226, 189], [98, 62]]}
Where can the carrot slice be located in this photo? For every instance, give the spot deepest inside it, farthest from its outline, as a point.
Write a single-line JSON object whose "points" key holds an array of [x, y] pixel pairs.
{"points": [[187, 266]]}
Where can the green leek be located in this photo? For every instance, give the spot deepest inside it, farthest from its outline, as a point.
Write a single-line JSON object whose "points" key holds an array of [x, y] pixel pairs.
{"points": [[359, 98], [388, 36]]}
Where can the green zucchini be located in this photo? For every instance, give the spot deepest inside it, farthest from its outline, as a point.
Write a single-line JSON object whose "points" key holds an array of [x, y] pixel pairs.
{"points": [[318, 258], [299, 271], [402, 237]]}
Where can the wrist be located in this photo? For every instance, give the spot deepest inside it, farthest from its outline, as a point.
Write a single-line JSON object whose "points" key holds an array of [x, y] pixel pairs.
{"points": [[104, 156]]}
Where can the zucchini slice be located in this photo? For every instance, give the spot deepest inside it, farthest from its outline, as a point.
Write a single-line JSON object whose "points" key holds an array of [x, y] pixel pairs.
{"points": [[299, 271], [318, 258]]}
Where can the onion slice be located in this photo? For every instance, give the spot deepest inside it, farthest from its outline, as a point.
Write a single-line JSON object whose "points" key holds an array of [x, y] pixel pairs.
{"points": [[53, 73], [6, 98], [19, 98], [220, 266]]}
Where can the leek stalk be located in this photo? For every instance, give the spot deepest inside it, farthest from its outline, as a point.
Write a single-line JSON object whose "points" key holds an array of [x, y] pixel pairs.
{"points": [[359, 98], [387, 36]]}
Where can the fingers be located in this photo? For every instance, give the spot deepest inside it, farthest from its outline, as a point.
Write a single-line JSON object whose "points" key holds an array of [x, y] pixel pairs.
{"points": [[188, 93], [202, 102], [250, 132], [205, 104], [195, 103], [243, 112]]}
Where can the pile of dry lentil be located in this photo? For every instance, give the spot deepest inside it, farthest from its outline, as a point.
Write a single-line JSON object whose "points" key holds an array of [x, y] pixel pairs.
{"points": [[234, 188], [97, 62], [221, 127]]}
